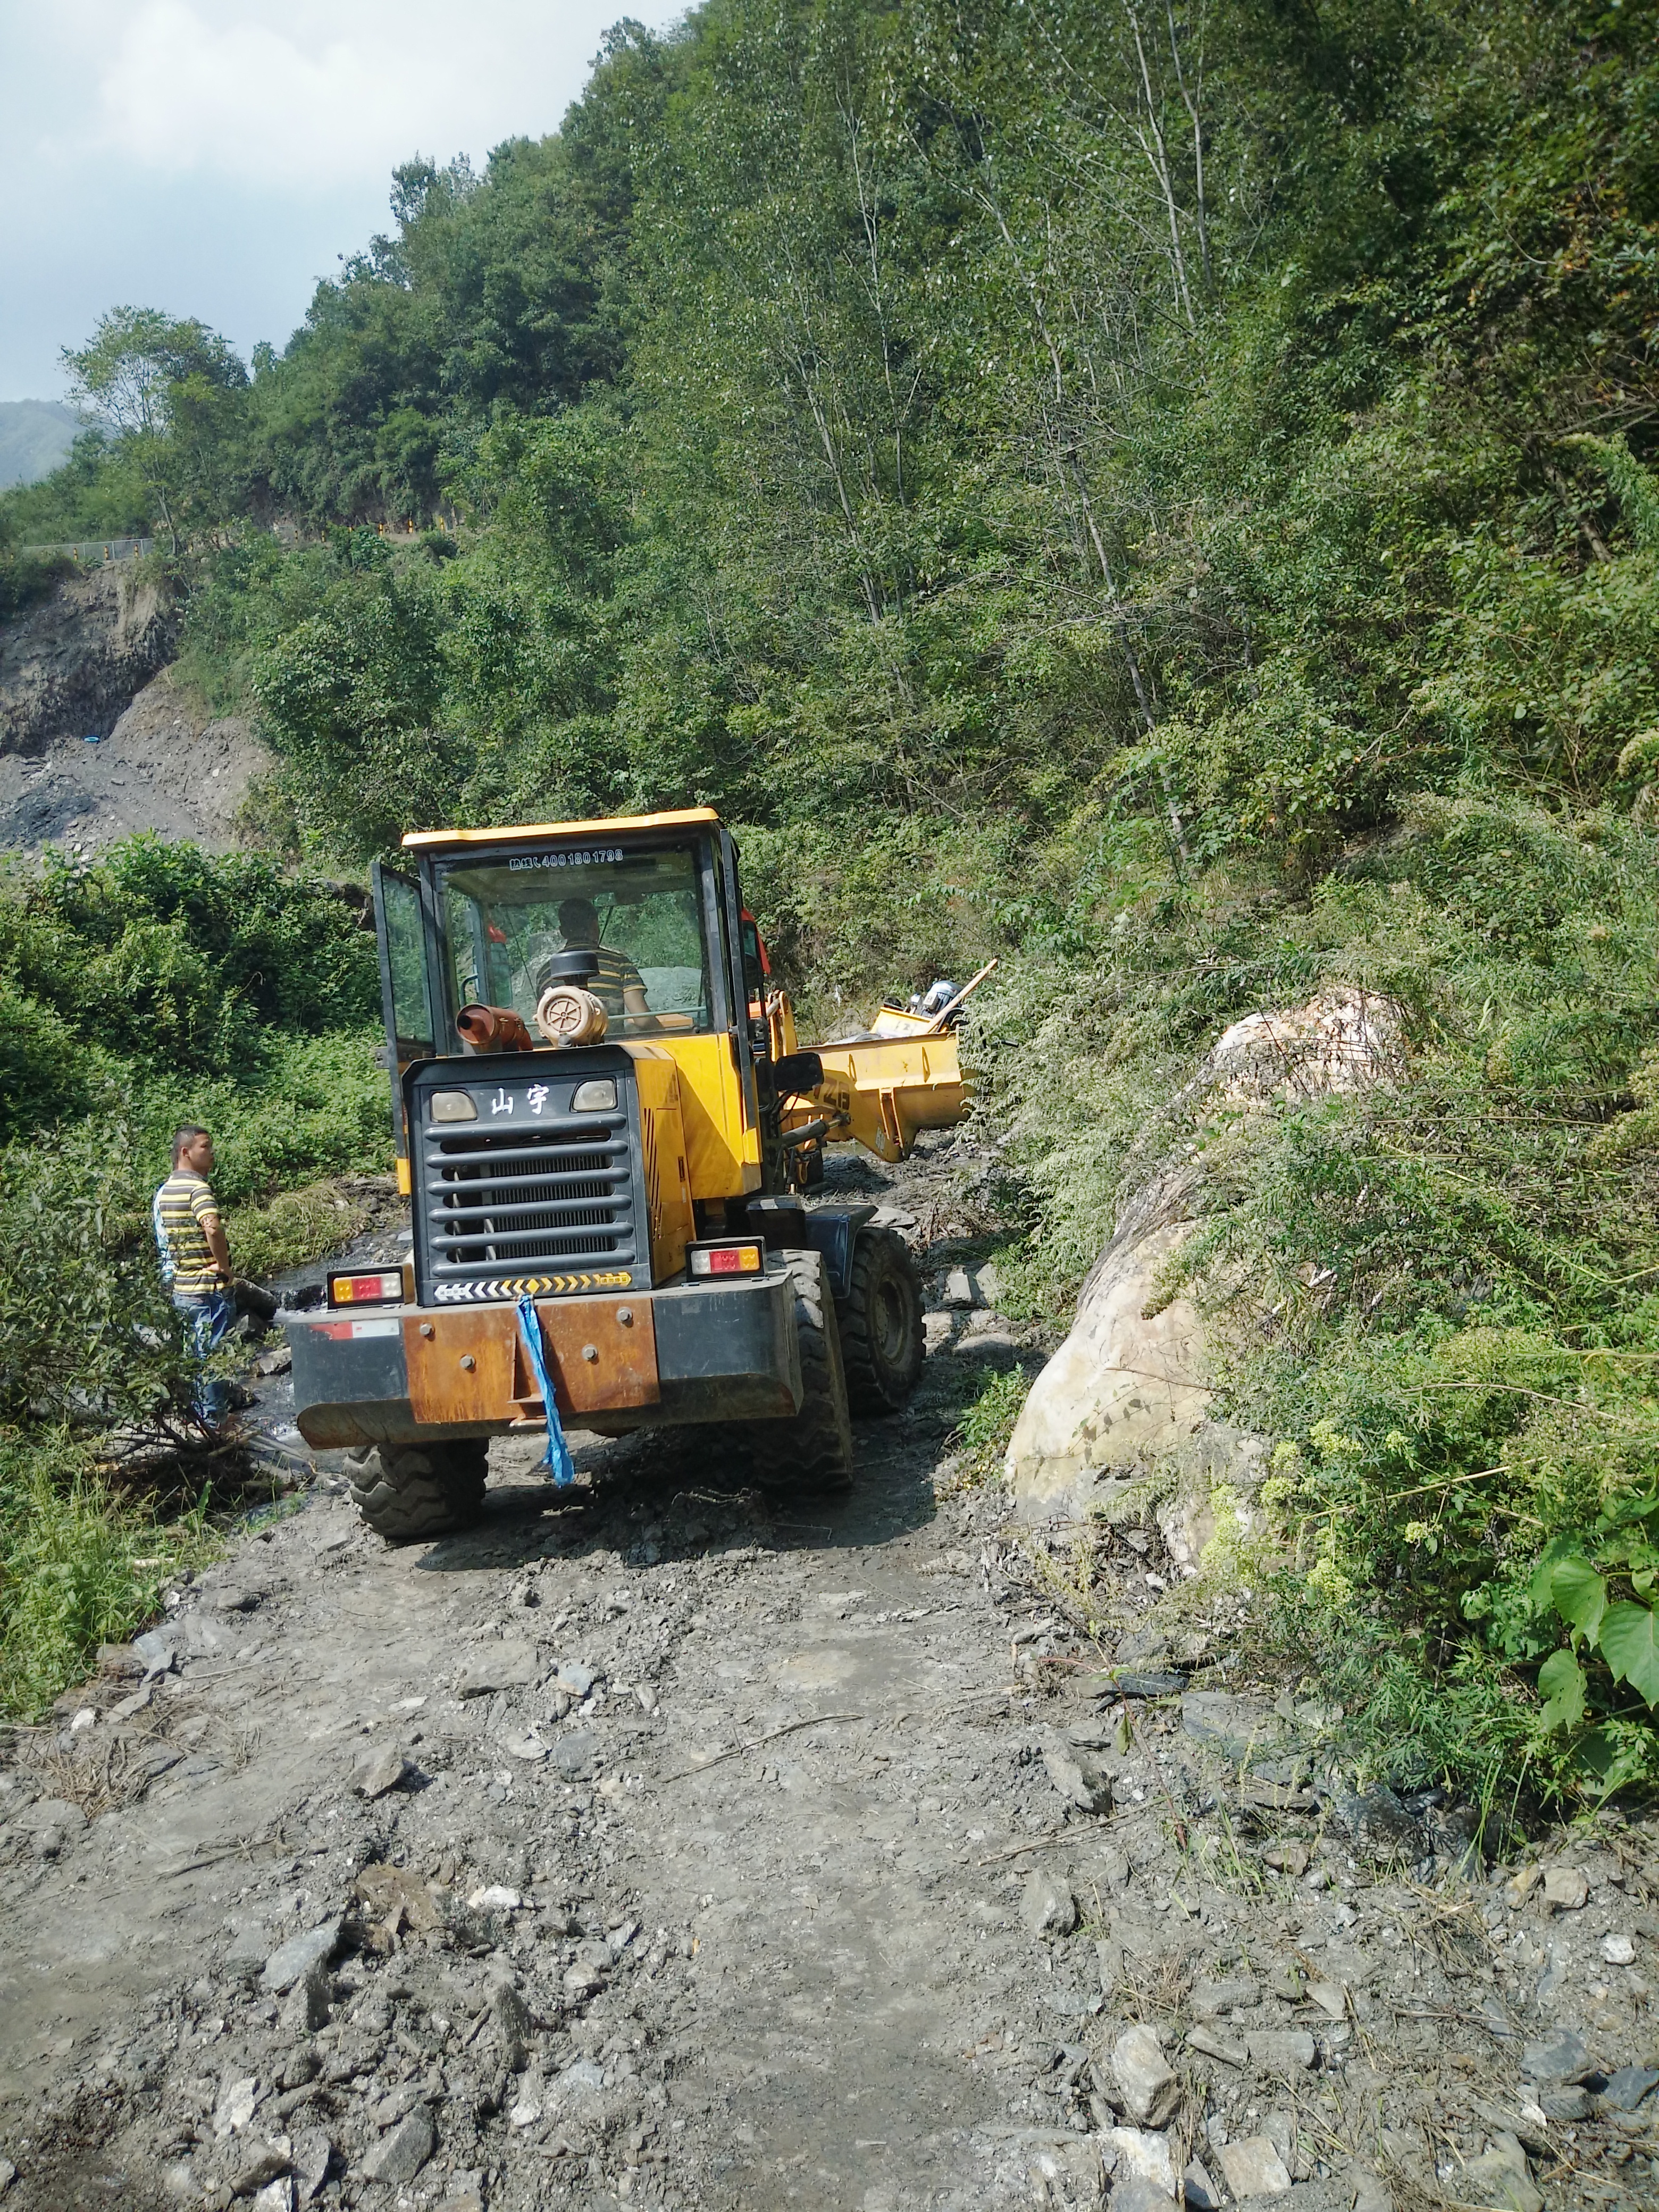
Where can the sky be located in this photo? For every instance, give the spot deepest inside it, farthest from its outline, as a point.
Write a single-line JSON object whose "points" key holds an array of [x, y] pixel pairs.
{"points": [[214, 158]]}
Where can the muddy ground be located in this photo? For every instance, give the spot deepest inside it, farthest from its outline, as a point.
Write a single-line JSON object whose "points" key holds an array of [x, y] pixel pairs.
{"points": [[648, 1846]]}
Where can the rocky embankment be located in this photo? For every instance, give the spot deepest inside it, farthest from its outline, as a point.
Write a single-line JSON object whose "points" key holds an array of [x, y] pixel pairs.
{"points": [[97, 738], [644, 1846]]}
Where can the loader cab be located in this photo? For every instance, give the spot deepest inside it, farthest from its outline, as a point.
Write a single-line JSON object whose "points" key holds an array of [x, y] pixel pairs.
{"points": [[483, 918]]}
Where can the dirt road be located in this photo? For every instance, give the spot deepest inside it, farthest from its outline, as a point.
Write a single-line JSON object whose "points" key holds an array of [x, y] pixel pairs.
{"points": [[641, 1847]]}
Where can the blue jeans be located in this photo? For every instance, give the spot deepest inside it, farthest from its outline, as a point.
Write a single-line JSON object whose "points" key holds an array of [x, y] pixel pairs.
{"points": [[208, 1317]]}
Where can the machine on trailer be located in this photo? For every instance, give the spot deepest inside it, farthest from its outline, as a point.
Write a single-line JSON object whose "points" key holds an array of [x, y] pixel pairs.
{"points": [[609, 1136]]}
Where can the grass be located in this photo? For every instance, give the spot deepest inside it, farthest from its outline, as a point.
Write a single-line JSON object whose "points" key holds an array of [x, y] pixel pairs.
{"points": [[79, 1565]]}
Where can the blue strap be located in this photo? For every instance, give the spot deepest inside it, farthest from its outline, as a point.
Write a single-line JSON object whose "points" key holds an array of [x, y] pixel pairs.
{"points": [[557, 1460]]}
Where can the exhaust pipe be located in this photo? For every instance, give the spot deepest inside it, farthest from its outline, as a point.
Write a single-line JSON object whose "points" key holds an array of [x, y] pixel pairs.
{"points": [[494, 1029]]}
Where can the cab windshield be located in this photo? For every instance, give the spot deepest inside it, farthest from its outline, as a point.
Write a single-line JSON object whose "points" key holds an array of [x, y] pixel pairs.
{"points": [[641, 913]]}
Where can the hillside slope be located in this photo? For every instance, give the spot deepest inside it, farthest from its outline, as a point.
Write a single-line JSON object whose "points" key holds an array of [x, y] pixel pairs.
{"points": [[35, 436]]}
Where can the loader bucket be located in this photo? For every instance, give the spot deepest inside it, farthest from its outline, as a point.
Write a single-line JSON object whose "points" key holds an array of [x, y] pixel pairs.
{"points": [[882, 1091]]}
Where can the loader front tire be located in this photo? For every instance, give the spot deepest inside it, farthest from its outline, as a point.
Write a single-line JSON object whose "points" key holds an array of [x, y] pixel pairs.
{"points": [[407, 1491], [810, 1455], [881, 1331]]}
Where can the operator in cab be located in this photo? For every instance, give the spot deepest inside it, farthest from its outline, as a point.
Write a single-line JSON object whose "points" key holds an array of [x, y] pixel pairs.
{"points": [[618, 985]]}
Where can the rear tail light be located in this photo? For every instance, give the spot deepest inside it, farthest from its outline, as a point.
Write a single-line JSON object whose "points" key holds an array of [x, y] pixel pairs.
{"points": [[386, 1289], [738, 1256]]}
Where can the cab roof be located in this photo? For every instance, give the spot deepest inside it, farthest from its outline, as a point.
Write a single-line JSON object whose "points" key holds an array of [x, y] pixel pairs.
{"points": [[683, 817]]}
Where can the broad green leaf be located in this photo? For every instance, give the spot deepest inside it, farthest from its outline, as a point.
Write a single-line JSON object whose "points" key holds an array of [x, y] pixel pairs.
{"points": [[1561, 1679], [1543, 1574], [1579, 1595], [1629, 1644]]}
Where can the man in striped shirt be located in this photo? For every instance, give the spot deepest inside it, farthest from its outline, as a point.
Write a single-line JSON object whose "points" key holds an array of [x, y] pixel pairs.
{"points": [[619, 985], [189, 1237]]}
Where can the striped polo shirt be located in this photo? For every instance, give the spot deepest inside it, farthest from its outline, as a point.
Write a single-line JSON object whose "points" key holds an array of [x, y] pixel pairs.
{"points": [[184, 1205]]}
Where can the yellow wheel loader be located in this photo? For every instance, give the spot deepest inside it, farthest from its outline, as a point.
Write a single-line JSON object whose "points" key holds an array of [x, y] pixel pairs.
{"points": [[611, 1137]]}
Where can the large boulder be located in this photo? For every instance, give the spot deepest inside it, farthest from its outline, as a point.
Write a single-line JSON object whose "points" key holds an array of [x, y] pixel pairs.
{"points": [[1130, 1379], [1131, 1382]]}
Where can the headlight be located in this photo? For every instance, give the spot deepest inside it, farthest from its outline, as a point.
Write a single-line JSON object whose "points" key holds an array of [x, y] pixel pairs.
{"points": [[452, 1106], [598, 1096]]}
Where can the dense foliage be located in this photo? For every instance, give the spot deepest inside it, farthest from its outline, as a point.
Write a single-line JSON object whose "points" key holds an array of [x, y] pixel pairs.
{"points": [[1161, 494], [157, 987]]}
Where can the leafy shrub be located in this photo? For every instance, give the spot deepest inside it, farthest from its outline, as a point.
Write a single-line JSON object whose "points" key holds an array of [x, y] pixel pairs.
{"points": [[79, 1566]]}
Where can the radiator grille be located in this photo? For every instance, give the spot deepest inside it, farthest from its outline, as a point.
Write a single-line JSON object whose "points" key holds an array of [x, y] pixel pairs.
{"points": [[524, 1199]]}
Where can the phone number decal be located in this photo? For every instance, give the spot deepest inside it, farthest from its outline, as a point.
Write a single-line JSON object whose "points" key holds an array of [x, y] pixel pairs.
{"points": [[599, 856]]}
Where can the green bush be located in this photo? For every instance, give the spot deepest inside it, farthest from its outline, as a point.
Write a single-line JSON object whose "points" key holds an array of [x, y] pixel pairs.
{"points": [[79, 1566], [161, 986]]}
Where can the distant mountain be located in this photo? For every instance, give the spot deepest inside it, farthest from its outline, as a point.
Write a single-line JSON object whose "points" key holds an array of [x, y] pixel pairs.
{"points": [[35, 434]]}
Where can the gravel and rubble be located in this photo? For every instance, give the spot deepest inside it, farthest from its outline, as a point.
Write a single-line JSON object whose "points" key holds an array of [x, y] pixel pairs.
{"points": [[645, 1847]]}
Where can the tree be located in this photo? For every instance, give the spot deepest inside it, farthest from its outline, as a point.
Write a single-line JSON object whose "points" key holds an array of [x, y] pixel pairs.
{"points": [[171, 397]]}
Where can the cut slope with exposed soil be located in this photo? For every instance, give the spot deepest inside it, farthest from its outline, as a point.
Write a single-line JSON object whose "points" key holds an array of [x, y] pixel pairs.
{"points": [[166, 765]]}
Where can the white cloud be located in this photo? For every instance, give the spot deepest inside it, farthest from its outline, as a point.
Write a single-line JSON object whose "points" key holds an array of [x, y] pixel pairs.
{"points": [[215, 157], [308, 96]]}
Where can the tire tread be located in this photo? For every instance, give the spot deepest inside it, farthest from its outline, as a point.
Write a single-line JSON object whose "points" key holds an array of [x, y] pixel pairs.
{"points": [[409, 1491]]}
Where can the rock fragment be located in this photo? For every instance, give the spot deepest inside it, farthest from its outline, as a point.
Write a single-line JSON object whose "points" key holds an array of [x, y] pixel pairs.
{"points": [[1280, 2049], [1561, 2056], [512, 2026], [263, 2163], [576, 1755], [1500, 2179], [1150, 2090], [312, 2151], [1625, 2089], [383, 1771], [1215, 1999], [1141, 2156], [1077, 1778], [235, 2107], [291, 1960], [1565, 1889], [1254, 2168], [1047, 1906], [307, 2007], [1211, 2046], [399, 2155], [1618, 1950], [511, 1664], [1199, 2193]]}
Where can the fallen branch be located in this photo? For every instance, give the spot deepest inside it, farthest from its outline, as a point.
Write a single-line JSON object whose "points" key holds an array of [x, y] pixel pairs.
{"points": [[819, 1720], [1036, 1844]]}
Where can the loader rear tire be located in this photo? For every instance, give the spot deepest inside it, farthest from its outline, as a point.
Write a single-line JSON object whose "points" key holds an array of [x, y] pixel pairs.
{"points": [[810, 1455], [407, 1491], [881, 1331]]}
